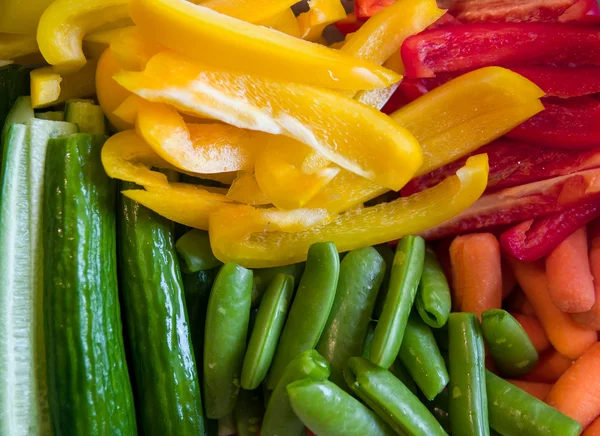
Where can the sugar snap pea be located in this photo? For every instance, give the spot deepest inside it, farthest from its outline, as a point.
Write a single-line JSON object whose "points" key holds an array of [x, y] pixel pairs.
{"points": [[361, 273], [422, 358], [388, 255], [310, 308], [390, 399], [513, 412], [433, 296], [404, 280], [279, 418], [267, 328], [368, 339], [468, 400], [248, 412], [327, 410], [264, 276], [194, 249], [509, 344], [401, 373], [227, 321]]}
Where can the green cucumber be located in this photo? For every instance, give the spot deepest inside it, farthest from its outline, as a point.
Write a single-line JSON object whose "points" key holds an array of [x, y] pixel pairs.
{"points": [[51, 115], [89, 390], [168, 397], [87, 115], [20, 113]]}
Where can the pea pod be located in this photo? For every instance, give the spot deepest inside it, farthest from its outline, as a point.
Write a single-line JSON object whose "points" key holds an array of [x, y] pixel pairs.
{"points": [[326, 409], [433, 296], [388, 255], [422, 358], [361, 273], [514, 412], [194, 249], [509, 344], [366, 352], [279, 418], [248, 412], [390, 399], [267, 328], [310, 308], [401, 373], [468, 400], [404, 280], [264, 276], [227, 319]]}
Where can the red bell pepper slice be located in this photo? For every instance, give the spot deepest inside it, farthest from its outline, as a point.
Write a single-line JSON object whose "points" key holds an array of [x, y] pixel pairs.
{"points": [[503, 11], [473, 46], [534, 239], [524, 202], [514, 163], [572, 123], [347, 25], [367, 8]]}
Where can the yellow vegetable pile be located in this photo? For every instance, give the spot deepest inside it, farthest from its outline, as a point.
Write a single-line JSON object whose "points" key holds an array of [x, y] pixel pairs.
{"points": [[234, 91]]}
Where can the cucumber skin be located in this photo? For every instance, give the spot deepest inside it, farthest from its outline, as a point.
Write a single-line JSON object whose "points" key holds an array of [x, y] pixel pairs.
{"points": [[89, 388], [168, 397]]}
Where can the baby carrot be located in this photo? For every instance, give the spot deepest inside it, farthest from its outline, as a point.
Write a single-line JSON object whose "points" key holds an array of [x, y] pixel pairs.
{"points": [[570, 281], [593, 429], [477, 272], [536, 389], [591, 318], [550, 367], [534, 330], [564, 334], [577, 391]]}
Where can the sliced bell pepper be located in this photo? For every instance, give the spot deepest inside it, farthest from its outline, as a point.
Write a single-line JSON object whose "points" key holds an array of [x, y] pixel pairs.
{"points": [[524, 202], [347, 25], [64, 24], [285, 21], [21, 16], [235, 238], [16, 46], [321, 14], [235, 45], [132, 51], [514, 163], [245, 189], [279, 173], [367, 8], [198, 148], [109, 93], [572, 123], [50, 88], [476, 45], [291, 109], [95, 43], [376, 98], [251, 11], [533, 240]]}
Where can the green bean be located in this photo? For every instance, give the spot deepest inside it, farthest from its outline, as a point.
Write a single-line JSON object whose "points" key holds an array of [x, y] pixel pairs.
{"points": [[310, 308], [267, 328], [514, 412], [433, 297], [264, 276], [227, 320], [386, 252], [329, 411], [248, 412], [194, 249], [279, 418], [422, 358], [509, 344], [390, 399], [468, 400], [361, 273], [401, 373], [404, 280], [366, 352]]}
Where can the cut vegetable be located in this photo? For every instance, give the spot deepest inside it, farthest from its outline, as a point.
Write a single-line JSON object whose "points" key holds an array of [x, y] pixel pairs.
{"points": [[88, 116]]}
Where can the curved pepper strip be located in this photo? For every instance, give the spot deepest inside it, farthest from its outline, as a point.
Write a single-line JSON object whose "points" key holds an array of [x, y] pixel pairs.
{"points": [[235, 45], [285, 21], [245, 189], [320, 15], [290, 109], [64, 24], [234, 238], [109, 93], [132, 51], [198, 148], [486, 104], [50, 88]]}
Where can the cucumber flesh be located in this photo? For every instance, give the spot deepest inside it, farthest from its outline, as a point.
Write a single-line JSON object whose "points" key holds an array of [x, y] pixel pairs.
{"points": [[51, 116], [20, 113], [87, 115]]}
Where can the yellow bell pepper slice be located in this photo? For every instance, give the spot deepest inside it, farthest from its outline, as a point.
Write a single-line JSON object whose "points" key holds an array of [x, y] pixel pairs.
{"points": [[251, 11], [485, 104], [64, 24], [376, 98], [109, 93], [21, 16], [96, 42], [285, 21], [132, 51], [49, 88], [320, 118], [199, 148], [321, 14], [234, 238], [16, 46], [245, 189], [280, 177], [231, 44]]}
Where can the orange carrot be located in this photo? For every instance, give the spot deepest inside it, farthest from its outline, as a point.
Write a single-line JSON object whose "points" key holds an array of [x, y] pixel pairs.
{"points": [[570, 281], [591, 318], [569, 339], [577, 391], [593, 429], [538, 390], [508, 280], [477, 272], [534, 330], [549, 368]]}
